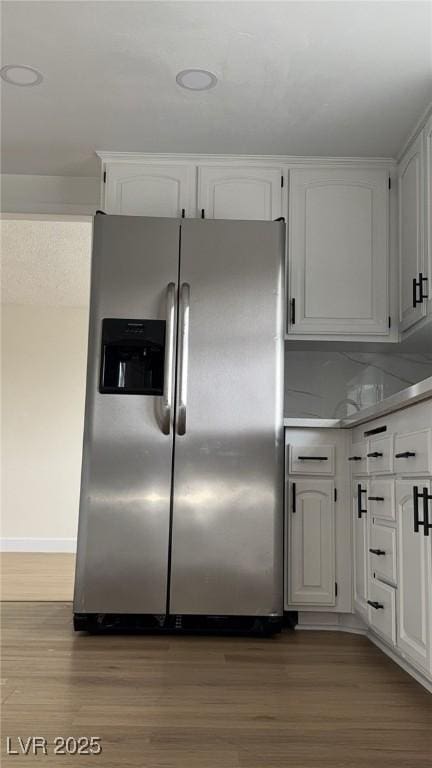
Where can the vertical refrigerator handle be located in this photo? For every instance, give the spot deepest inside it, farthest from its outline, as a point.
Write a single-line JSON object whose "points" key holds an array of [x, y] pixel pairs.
{"points": [[168, 359], [184, 357]]}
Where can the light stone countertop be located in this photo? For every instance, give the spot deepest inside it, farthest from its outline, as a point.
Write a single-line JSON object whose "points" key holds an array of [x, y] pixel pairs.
{"points": [[413, 394]]}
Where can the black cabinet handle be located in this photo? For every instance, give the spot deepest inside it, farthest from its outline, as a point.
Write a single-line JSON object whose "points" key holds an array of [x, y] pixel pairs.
{"points": [[354, 458], [376, 498], [293, 312], [360, 510], [419, 284], [425, 495], [415, 300], [426, 524], [405, 455], [421, 281], [377, 551], [312, 458], [416, 496], [294, 498], [375, 604], [375, 455]]}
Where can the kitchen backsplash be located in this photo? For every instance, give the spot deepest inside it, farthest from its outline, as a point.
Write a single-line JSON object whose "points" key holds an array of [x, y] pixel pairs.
{"points": [[336, 384]]}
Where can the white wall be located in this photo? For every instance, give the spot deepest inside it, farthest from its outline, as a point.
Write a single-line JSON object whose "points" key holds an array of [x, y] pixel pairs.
{"points": [[21, 193], [44, 363]]}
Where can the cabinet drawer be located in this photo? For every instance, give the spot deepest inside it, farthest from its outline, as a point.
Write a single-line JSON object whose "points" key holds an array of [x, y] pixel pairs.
{"points": [[382, 610], [413, 453], [382, 553], [312, 460], [357, 458], [381, 499], [380, 456]]}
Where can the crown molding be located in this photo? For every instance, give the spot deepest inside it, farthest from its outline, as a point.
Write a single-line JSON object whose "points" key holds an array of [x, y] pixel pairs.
{"points": [[271, 160], [421, 122]]}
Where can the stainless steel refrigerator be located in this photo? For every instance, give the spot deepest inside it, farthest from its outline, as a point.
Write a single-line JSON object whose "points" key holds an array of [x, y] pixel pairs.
{"points": [[181, 512]]}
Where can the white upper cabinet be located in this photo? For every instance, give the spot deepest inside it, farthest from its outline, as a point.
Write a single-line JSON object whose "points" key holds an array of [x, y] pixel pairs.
{"points": [[236, 192], [338, 252], [138, 189], [411, 236]]}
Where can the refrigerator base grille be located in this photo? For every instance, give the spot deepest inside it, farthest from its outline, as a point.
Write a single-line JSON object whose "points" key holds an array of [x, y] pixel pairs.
{"points": [[128, 623]]}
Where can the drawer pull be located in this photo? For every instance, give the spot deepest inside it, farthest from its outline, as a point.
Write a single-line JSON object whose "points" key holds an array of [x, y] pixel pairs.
{"points": [[376, 498], [375, 604], [375, 455], [312, 458], [354, 458], [405, 455], [377, 551]]}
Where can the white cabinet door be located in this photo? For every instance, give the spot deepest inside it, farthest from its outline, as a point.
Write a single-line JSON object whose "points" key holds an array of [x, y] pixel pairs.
{"points": [[150, 190], [312, 547], [414, 577], [338, 252], [428, 222], [230, 192], [357, 458], [411, 234], [361, 546], [382, 610]]}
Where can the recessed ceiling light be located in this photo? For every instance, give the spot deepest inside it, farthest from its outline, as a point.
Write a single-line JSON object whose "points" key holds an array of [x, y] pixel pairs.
{"points": [[196, 79], [20, 74]]}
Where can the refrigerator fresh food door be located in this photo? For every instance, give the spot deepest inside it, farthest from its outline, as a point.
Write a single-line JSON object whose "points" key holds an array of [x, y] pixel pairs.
{"points": [[227, 536], [123, 541]]}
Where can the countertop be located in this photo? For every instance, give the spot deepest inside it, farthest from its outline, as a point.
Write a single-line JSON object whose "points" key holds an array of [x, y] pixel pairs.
{"points": [[408, 396]]}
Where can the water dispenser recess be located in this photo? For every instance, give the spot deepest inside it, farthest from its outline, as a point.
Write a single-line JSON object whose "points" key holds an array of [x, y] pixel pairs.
{"points": [[132, 357]]}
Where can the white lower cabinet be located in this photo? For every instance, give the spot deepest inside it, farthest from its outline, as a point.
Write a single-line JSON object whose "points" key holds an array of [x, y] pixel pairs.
{"points": [[381, 501], [414, 577], [312, 534], [380, 455], [392, 535], [382, 552], [317, 570], [413, 452], [382, 610], [358, 459], [360, 542]]}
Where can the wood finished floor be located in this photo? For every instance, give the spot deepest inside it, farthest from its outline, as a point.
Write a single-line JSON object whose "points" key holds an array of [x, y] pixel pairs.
{"points": [[37, 576], [299, 700]]}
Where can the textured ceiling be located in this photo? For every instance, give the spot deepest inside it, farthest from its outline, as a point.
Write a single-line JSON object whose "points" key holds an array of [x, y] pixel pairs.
{"points": [[46, 262], [304, 78]]}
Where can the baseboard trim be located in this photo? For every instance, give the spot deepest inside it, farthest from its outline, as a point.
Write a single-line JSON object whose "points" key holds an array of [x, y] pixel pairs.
{"points": [[331, 622], [38, 545], [330, 628]]}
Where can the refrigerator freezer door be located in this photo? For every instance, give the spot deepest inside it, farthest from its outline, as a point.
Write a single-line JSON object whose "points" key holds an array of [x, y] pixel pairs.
{"points": [[123, 536], [227, 541]]}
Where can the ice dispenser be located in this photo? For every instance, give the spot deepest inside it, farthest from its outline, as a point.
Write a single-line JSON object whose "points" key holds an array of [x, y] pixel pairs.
{"points": [[132, 357]]}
